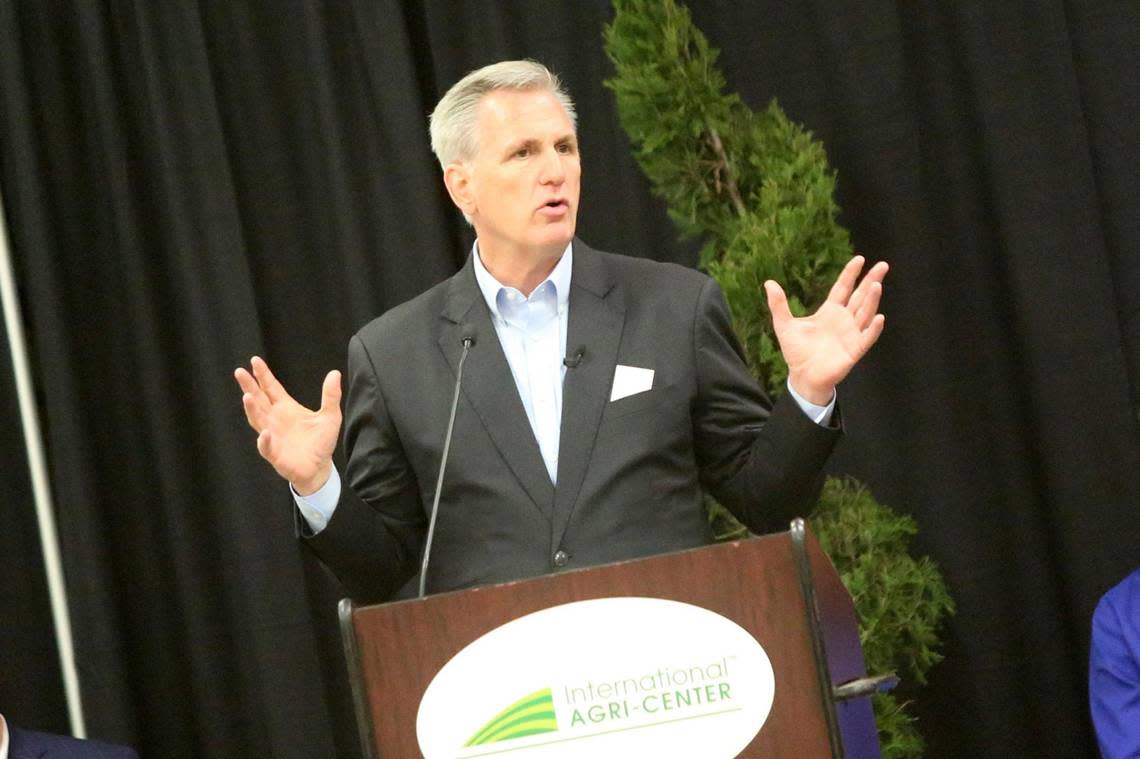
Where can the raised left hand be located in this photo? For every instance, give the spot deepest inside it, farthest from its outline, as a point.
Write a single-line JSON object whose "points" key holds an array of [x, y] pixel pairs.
{"points": [[821, 349]]}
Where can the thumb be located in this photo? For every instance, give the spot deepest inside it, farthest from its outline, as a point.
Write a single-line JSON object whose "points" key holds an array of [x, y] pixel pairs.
{"points": [[777, 304], [330, 392]]}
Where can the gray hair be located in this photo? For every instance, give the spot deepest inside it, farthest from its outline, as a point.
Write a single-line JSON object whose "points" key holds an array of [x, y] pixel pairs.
{"points": [[453, 133]]}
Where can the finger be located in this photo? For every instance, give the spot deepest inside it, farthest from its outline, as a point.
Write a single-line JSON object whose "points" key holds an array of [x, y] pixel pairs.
{"points": [[778, 305], [265, 445], [269, 448], [268, 382], [871, 334], [869, 307], [874, 277], [256, 413], [845, 282], [879, 271], [253, 400], [246, 381], [330, 392]]}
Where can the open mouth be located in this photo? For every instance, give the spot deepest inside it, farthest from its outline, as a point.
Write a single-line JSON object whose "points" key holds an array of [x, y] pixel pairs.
{"points": [[555, 206]]}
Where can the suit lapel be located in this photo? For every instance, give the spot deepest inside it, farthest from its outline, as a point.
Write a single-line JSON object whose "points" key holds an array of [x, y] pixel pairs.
{"points": [[489, 385], [596, 321]]}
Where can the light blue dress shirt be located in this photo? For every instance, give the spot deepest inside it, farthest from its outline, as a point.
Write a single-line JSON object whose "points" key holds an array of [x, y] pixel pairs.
{"points": [[532, 332]]}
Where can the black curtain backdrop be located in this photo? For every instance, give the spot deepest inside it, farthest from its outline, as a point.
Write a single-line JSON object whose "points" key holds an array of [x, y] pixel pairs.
{"points": [[189, 183]]}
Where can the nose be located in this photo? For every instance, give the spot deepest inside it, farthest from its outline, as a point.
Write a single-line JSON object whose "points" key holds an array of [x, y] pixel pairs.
{"points": [[553, 172]]}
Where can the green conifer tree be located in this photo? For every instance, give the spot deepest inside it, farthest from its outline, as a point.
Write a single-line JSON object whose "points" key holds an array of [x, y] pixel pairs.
{"points": [[757, 189]]}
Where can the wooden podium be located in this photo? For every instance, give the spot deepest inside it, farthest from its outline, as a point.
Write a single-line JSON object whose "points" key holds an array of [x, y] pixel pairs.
{"points": [[779, 588]]}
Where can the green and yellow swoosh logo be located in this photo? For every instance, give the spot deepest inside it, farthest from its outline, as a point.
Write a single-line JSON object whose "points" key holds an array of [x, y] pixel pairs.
{"points": [[530, 715]]}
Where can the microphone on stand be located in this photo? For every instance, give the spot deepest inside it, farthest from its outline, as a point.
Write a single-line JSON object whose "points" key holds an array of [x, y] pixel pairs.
{"points": [[468, 340]]}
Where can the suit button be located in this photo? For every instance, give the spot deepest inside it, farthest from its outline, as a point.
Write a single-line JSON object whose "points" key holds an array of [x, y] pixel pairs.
{"points": [[560, 558]]}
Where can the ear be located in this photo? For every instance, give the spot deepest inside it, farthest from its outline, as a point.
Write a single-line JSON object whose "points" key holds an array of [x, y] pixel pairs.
{"points": [[457, 178]]}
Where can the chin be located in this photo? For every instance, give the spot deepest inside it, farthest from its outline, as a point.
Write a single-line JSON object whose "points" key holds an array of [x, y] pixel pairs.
{"points": [[560, 234]]}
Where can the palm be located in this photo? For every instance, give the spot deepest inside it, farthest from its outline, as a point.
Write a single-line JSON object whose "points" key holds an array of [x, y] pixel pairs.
{"points": [[821, 349], [298, 442], [305, 437]]}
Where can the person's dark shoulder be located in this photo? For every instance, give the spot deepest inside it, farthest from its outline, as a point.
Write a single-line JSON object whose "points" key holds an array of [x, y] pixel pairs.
{"points": [[29, 744], [410, 317], [643, 280]]}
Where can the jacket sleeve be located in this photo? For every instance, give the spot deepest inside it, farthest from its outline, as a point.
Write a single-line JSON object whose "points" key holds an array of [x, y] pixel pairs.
{"points": [[374, 537], [762, 461]]}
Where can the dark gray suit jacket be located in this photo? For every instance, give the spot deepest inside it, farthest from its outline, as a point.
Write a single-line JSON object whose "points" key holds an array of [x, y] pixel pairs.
{"points": [[630, 472]]}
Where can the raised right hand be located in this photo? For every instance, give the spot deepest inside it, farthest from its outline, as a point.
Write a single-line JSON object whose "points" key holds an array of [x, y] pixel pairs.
{"points": [[296, 441]]}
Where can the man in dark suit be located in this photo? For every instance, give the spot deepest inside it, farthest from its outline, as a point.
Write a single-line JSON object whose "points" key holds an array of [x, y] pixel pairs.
{"points": [[27, 744], [556, 463]]}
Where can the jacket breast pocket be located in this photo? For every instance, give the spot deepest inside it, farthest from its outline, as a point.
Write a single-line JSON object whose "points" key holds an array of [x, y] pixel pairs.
{"points": [[660, 398]]}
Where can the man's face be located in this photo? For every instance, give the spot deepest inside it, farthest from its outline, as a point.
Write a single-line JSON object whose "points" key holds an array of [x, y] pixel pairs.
{"points": [[521, 188]]}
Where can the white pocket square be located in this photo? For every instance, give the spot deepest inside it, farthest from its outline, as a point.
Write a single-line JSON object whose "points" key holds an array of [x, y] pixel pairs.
{"points": [[630, 380]]}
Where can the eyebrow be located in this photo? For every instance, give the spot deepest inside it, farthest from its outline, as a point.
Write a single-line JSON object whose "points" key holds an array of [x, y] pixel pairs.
{"points": [[520, 144], [531, 142]]}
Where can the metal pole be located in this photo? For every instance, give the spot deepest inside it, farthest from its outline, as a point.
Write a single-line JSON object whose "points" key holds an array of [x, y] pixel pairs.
{"points": [[37, 469]]}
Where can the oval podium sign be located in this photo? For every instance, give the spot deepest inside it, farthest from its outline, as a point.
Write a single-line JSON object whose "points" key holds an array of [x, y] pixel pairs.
{"points": [[610, 677]]}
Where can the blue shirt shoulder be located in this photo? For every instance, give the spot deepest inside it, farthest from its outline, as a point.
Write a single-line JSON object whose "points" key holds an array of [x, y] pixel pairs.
{"points": [[1114, 670]]}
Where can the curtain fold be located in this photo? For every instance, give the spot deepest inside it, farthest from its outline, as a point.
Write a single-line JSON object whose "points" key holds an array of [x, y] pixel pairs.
{"points": [[187, 184]]}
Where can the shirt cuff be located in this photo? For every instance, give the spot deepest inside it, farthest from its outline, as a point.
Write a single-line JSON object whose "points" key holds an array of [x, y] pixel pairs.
{"points": [[821, 415], [317, 508]]}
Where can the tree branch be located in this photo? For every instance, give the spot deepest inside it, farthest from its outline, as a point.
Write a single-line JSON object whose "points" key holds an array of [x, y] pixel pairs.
{"points": [[729, 177]]}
